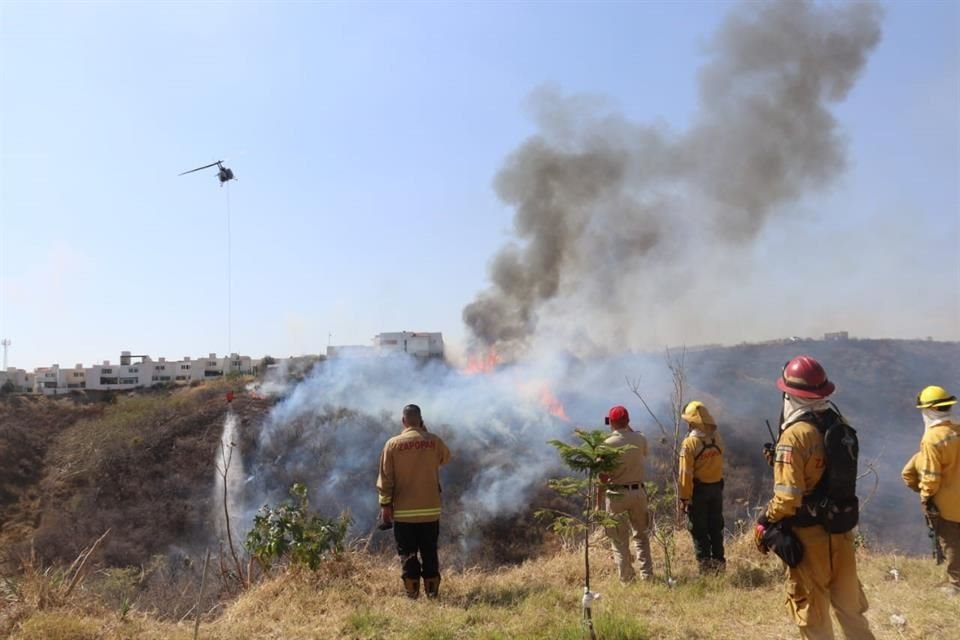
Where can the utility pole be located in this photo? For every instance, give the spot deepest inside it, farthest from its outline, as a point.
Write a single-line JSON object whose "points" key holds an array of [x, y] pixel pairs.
{"points": [[6, 343]]}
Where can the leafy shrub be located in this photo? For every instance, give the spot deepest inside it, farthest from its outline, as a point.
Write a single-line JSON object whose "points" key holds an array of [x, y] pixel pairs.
{"points": [[291, 530]]}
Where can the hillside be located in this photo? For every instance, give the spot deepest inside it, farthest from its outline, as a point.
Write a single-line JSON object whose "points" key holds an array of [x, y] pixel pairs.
{"points": [[358, 597], [143, 465], [140, 464]]}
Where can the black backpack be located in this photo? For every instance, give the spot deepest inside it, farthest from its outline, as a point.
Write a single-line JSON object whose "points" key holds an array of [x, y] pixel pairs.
{"points": [[833, 503]]}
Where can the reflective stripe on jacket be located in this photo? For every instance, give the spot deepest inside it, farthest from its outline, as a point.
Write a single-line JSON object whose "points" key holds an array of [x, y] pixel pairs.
{"points": [[939, 465], [798, 466]]}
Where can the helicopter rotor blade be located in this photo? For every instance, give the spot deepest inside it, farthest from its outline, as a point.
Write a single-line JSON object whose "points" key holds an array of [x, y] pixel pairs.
{"points": [[200, 168]]}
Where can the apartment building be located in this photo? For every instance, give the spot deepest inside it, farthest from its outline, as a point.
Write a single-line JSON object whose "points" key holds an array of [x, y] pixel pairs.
{"points": [[128, 374]]}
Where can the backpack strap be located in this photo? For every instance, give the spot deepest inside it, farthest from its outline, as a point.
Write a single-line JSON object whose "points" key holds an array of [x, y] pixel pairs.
{"points": [[711, 445]]}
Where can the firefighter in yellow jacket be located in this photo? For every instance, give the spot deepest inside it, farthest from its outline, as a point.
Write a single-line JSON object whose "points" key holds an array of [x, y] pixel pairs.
{"points": [[911, 473], [827, 573], [911, 478], [409, 488], [701, 486], [626, 499], [938, 463]]}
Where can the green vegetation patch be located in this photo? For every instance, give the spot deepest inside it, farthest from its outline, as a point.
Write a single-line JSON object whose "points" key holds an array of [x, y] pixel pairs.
{"points": [[367, 624]]}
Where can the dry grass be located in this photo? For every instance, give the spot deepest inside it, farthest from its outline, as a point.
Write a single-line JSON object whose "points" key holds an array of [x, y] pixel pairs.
{"points": [[359, 597]]}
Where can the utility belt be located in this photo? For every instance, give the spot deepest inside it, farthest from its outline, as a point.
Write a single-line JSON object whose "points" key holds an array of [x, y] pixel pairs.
{"points": [[834, 516], [701, 483]]}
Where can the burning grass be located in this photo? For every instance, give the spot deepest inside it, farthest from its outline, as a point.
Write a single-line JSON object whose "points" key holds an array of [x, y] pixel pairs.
{"points": [[359, 596]]}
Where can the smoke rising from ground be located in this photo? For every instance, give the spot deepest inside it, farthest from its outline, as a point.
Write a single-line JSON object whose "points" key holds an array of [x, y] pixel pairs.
{"points": [[327, 432], [611, 210]]}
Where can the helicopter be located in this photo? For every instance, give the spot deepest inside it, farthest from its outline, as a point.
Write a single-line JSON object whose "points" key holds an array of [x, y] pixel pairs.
{"points": [[223, 173]]}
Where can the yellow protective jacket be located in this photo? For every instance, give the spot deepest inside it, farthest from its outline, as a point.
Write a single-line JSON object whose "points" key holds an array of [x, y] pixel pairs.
{"points": [[409, 477], [701, 459], [911, 474], [939, 465], [798, 467]]}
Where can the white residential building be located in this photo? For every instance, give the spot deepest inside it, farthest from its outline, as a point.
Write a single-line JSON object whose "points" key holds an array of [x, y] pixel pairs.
{"points": [[75, 378], [21, 379], [419, 344], [128, 374], [163, 371], [109, 376], [47, 380]]}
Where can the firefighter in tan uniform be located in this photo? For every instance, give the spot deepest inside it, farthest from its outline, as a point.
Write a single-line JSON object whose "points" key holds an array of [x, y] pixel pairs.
{"points": [[827, 573], [409, 488], [626, 498], [938, 464], [701, 486]]}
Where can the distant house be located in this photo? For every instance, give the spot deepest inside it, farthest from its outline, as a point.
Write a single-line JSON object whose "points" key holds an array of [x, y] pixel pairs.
{"points": [[129, 374], [21, 379], [419, 344], [836, 336]]}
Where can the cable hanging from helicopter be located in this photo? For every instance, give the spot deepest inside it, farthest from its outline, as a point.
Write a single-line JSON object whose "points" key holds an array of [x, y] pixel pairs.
{"points": [[224, 174]]}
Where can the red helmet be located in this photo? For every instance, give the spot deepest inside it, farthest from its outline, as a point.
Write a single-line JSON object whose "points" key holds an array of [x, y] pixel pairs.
{"points": [[805, 378], [618, 414]]}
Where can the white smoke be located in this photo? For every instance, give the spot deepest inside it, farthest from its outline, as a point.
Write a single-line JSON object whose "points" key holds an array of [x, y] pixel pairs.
{"points": [[329, 430]]}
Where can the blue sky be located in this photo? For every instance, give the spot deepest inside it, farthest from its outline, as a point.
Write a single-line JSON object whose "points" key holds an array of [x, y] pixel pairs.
{"points": [[365, 138]]}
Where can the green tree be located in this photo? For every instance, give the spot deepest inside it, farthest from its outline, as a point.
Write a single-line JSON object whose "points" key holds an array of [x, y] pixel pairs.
{"points": [[291, 530], [588, 458]]}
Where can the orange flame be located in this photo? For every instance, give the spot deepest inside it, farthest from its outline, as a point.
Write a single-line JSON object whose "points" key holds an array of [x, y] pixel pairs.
{"points": [[484, 362], [545, 397], [552, 404]]}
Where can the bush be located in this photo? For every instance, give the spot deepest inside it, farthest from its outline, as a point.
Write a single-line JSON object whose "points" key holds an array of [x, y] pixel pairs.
{"points": [[291, 530]]}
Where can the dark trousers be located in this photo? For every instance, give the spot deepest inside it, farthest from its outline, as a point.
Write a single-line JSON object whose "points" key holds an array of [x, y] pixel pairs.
{"points": [[705, 521], [418, 538]]}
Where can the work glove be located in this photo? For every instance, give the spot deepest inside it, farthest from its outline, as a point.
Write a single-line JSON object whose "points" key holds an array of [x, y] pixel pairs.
{"points": [[758, 532], [386, 517], [769, 453]]}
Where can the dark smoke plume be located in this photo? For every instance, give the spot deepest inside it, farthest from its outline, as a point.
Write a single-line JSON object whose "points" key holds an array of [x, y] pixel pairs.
{"points": [[604, 205]]}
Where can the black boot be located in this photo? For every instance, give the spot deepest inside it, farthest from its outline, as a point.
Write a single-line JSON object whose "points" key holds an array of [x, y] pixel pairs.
{"points": [[432, 587], [412, 587]]}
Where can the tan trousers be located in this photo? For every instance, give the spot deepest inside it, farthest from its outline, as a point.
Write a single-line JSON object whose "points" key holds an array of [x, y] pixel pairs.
{"points": [[827, 576], [948, 533], [630, 508]]}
